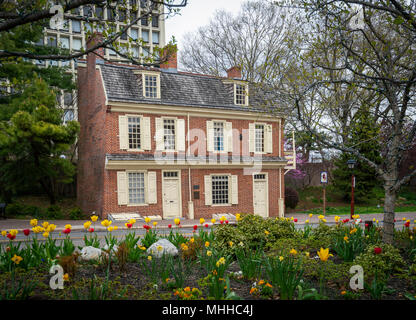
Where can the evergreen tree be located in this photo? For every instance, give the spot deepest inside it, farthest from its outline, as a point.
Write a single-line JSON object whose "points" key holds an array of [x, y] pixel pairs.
{"points": [[365, 138]]}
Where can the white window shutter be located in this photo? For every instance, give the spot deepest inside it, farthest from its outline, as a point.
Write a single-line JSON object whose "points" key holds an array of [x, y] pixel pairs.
{"points": [[146, 143], [251, 137], [123, 134], [160, 145], [210, 136], [268, 139], [208, 190], [122, 190], [234, 189], [229, 136], [151, 187], [180, 134]]}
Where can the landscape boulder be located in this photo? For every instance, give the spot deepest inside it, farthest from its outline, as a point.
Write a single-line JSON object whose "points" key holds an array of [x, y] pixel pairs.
{"points": [[162, 247]]}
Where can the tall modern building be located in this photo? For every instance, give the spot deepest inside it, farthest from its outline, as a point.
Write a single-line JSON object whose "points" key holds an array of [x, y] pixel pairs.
{"points": [[72, 35]]}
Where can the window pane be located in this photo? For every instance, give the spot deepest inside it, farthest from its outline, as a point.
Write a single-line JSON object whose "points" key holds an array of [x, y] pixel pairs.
{"points": [[218, 136], [145, 35], [146, 52], [76, 44], [67, 98], [68, 115], [51, 41], [259, 136], [155, 21], [150, 86], [135, 52], [64, 42], [136, 188], [220, 189], [76, 26], [144, 21], [169, 134], [110, 14], [155, 37], [134, 132], [99, 12], [240, 94], [134, 34]]}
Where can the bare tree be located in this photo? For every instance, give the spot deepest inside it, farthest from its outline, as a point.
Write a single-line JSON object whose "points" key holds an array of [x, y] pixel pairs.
{"points": [[380, 60]]}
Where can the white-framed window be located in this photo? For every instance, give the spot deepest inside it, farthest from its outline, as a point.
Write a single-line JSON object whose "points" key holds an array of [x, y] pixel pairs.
{"points": [[145, 35], [155, 37], [218, 136], [135, 51], [240, 94], [169, 133], [220, 189], [151, 85], [76, 44], [136, 189], [64, 42], [76, 26], [259, 137], [134, 34], [134, 132]]}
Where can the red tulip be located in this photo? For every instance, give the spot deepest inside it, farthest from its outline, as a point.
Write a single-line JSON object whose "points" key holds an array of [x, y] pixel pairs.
{"points": [[377, 250], [67, 231], [407, 224], [226, 221], [221, 221], [10, 236], [26, 232], [129, 225], [91, 229], [295, 220], [195, 227], [394, 220], [169, 226], [206, 226]]}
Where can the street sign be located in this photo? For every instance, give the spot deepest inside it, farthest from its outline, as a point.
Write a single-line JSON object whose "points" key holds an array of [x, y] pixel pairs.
{"points": [[324, 177]]}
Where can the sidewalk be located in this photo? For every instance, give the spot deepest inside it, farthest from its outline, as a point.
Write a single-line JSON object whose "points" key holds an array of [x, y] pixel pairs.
{"points": [[21, 224]]}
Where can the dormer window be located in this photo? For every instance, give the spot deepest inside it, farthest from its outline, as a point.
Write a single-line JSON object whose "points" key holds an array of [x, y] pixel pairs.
{"points": [[151, 85], [241, 94]]}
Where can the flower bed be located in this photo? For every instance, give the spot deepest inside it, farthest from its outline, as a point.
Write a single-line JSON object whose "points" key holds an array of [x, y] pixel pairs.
{"points": [[255, 259]]}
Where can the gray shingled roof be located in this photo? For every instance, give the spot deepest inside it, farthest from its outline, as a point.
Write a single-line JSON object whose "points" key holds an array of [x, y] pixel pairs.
{"points": [[182, 89]]}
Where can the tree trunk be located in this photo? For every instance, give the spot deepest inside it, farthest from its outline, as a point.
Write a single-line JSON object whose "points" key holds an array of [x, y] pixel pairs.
{"points": [[388, 222]]}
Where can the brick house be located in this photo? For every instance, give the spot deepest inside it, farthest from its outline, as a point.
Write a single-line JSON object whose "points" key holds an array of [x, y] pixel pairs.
{"points": [[157, 141]]}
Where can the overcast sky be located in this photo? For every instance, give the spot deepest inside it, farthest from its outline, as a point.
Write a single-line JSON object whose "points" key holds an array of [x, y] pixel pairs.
{"points": [[197, 13]]}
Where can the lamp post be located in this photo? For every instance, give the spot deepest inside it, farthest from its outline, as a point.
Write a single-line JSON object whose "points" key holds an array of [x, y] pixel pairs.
{"points": [[351, 163]]}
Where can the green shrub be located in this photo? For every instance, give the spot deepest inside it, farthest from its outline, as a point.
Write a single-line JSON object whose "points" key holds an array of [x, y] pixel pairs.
{"points": [[33, 211], [384, 263], [14, 209], [54, 212], [226, 233], [75, 214]]}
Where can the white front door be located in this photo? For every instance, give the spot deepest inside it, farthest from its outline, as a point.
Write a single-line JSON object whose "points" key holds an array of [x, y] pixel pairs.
{"points": [[171, 195], [260, 195]]}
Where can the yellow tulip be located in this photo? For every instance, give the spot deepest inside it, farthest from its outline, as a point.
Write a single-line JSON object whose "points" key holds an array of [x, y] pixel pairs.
{"points": [[132, 221], [336, 218], [51, 227], [45, 234], [323, 254], [320, 217], [17, 259], [45, 224], [206, 244], [110, 229], [66, 277], [238, 217], [68, 226], [155, 223], [34, 222], [266, 232], [281, 258], [13, 232], [4, 233], [87, 224], [346, 239], [177, 221], [213, 221], [106, 223], [307, 221], [94, 218], [115, 228], [201, 221], [310, 215], [147, 219]]}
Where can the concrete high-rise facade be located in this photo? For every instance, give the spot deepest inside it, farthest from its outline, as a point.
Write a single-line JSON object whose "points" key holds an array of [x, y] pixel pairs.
{"points": [[73, 33]]}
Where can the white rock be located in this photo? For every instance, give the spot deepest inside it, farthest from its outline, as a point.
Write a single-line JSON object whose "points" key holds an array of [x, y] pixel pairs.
{"points": [[167, 248], [90, 253], [115, 247]]}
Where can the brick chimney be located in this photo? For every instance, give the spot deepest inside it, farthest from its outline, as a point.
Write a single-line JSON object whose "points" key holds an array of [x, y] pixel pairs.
{"points": [[93, 40], [234, 73], [172, 62]]}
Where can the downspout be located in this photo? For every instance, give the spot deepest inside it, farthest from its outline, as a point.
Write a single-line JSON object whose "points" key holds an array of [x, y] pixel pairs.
{"points": [[190, 203]]}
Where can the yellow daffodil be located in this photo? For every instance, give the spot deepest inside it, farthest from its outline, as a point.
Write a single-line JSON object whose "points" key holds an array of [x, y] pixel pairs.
{"points": [[307, 254], [17, 259], [293, 251], [231, 243], [266, 232], [177, 221], [238, 217], [87, 224], [206, 244], [320, 217], [281, 258], [159, 248], [323, 220], [149, 258], [106, 223], [94, 218], [307, 221], [155, 223], [201, 221], [45, 234], [142, 247], [374, 219], [66, 277], [68, 226], [404, 219], [353, 231], [184, 247], [34, 222], [323, 254], [209, 253], [310, 215], [346, 239], [343, 292], [220, 261], [147, 219], [213, 221], [261, 282], [268, 285]]}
